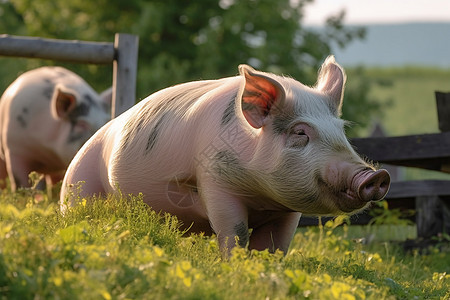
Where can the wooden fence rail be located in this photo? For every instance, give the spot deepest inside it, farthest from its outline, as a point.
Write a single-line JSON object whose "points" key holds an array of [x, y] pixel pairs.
{"points": [[426, 151], [122, 53]]}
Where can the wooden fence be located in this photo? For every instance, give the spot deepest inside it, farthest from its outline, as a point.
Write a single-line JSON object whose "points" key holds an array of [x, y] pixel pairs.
{"points": [[123, 53]]}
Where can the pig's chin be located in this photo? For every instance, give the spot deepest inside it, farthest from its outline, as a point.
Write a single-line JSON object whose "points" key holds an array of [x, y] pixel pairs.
{"points": [[348, 201], [344, 200]]}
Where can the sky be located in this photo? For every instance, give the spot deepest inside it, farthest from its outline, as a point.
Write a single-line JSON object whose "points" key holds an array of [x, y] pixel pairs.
{"points": [[379, 11]]}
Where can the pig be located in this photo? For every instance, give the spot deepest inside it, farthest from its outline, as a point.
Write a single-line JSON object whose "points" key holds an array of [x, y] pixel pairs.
{"points": [[46, 115], [254, 151]]}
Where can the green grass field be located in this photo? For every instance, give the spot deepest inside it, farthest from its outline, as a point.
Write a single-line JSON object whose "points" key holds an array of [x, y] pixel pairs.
{"points": [[118, 248]]}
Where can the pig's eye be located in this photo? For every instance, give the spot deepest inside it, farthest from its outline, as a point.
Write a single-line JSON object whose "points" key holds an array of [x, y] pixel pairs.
{"points": [[300, 132], [298, 138]]}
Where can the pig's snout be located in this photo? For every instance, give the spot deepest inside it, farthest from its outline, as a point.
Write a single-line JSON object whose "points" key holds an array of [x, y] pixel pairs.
{"points": [[373, 186]]}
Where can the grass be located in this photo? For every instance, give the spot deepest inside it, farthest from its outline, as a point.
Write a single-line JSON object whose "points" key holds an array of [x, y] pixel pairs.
{"points": [[117, 248]]}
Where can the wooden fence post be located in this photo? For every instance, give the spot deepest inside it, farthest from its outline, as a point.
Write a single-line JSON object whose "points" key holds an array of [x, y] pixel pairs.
{"points": [[432, 216], [443, 110], [124, 73]]}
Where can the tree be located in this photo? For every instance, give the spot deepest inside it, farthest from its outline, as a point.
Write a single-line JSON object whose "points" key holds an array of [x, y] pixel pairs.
{"points": [[189, 40]]}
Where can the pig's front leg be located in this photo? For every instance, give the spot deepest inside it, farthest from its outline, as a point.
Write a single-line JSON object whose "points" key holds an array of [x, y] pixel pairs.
{"points": [[275, 234], [227, 215], [18, 170], [3, 173]]}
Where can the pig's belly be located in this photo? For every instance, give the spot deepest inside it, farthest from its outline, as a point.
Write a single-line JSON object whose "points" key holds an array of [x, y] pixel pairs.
{"points": [[177, 198]]}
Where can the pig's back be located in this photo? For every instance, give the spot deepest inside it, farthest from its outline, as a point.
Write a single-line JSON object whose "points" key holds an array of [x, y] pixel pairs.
{"points": [[158, 138]]}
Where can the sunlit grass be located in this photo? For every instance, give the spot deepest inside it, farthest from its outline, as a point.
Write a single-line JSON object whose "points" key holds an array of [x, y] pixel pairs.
{"points": [[118, 248]]}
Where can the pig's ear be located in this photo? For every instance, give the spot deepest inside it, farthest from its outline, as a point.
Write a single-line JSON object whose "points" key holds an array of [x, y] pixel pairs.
{"points": [[331, 82], [63, 102], [261, 95]]}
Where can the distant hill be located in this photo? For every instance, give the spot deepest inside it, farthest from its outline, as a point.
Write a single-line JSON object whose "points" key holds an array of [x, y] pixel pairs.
{"points": [[418, 44]]}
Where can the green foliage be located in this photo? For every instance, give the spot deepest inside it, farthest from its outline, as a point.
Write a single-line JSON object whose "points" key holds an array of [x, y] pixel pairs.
{"points": [[382, 214], [187, 40], [117, 247]]}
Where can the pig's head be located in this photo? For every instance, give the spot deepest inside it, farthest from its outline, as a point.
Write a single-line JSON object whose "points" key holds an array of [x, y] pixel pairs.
{"points": [[80, 112], [302, 160]]}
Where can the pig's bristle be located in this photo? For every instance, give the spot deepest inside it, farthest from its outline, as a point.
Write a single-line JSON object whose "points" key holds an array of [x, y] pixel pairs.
{"points": [[370, 162]]}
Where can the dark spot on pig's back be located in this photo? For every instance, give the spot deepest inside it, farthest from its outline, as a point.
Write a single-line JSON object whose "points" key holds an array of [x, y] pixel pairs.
{"points": [[229, 112], [176, 102], [184, 99], [131, 128], [154, 134], [22, 122], [23, 117], [49, 87], [48, 93], [150, 111], [179, 101]]}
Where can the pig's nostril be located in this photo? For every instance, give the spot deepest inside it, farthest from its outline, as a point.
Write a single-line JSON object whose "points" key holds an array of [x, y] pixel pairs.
{"points": [[375, 186]]}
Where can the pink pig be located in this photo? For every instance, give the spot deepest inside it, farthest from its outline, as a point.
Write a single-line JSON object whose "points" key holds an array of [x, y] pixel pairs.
{"points": [[252, 151], [46, 115]]}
